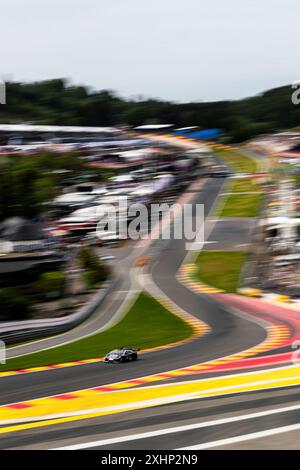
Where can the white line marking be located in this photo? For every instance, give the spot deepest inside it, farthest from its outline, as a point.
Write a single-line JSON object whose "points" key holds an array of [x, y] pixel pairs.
{"points": [[243, 438], [189, 427]]}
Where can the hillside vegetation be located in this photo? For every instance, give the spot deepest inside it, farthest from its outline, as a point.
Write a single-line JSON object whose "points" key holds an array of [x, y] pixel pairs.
{"points": [[59, 103]]}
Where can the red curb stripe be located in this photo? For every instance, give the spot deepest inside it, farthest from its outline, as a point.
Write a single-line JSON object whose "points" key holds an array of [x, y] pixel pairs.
{"points": [[104, 389], [19, 406], [137, 382], [67, 396]]}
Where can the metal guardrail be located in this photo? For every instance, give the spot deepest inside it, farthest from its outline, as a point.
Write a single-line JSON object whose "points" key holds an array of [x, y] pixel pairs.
{"points": [[13, 332]]}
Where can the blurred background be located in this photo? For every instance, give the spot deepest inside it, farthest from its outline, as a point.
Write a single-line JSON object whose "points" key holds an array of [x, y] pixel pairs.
{"points": [[138, 101]]}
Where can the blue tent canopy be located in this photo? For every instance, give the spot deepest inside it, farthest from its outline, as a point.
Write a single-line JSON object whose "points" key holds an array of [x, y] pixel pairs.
{"points": [[206, 134]]}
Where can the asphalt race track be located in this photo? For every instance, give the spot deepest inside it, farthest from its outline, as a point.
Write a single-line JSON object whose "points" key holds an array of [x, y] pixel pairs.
{"points": [[128, 430], [229, 334], [193, 422]]}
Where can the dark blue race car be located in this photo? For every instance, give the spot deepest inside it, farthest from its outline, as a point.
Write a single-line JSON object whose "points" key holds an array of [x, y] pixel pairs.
{"points": [[121, 355]]}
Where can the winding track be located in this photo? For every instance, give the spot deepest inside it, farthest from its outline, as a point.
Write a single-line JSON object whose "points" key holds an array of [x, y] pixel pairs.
{"points": [[229, 334]]}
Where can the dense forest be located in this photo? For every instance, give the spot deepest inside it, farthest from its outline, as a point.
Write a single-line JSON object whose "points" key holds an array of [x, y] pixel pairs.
{"points": [[60, 103]]}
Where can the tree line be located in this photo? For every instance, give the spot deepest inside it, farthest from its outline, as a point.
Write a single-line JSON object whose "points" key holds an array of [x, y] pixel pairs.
{"points": [[28, 183], [57, 102]]}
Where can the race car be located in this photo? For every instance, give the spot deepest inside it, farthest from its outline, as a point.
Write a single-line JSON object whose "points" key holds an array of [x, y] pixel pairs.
{"points": [[121, 355]]}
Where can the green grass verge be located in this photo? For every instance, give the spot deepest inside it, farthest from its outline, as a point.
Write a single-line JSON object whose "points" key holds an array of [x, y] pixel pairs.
{"points": [[242, 185], [219, 269], [239, 162], [240, 205], [296, 179], [146, 325]]}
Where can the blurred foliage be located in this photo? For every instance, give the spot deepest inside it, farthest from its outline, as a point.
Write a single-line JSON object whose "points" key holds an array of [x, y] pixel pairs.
{"points": [[85, 257], [14, 305], [95, 271], [51, 284], [29, 182], [92, 278], [59, 103]]}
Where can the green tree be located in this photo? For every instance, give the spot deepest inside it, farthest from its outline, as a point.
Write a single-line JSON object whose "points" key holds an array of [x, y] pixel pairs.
{"points": [[14, 305], [51, 284], [95, 271]]}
